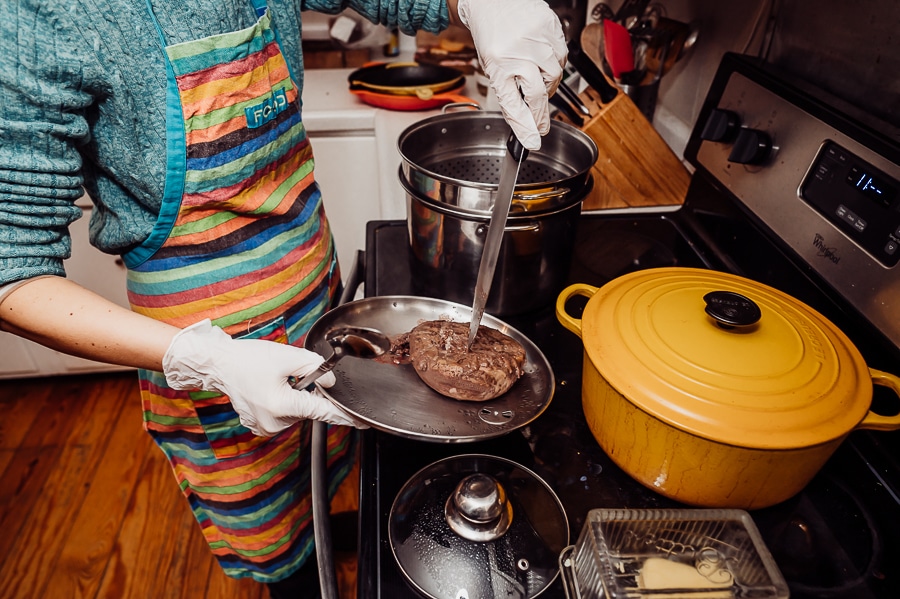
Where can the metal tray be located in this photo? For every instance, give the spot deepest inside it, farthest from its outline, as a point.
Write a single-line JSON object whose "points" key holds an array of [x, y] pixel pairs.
{"points": [[393, 399]]}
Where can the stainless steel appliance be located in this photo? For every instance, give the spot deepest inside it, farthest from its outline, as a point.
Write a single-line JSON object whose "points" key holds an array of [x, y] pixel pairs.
{"points": [[787, 191]]}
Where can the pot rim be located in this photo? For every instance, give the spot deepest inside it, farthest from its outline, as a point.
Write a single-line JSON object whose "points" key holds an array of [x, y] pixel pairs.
{"points": [[498, 150], [573, 198]]}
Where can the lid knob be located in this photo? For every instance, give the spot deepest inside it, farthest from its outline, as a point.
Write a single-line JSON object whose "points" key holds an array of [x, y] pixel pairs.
{"points": [[478, 509], [730, 309]]}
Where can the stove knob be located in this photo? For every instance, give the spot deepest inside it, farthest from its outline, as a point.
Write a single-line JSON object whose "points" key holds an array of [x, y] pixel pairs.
{"points": [[722, 125], [752, 146]]}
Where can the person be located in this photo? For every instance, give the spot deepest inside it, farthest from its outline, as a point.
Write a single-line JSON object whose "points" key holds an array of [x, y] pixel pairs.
{"points": [[181, 120]]}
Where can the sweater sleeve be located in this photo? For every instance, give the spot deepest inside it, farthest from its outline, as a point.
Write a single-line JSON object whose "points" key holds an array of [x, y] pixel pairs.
{"points": [[42, 123], [409, 16]]}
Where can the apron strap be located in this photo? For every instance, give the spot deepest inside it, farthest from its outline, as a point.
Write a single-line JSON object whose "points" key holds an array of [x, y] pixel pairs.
{"points": [[259, 6]]}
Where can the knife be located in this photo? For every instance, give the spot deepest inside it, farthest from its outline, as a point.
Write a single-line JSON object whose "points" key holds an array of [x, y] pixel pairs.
{"points": [[572, 96], [509, 172], [591, 73], [563, 104]]}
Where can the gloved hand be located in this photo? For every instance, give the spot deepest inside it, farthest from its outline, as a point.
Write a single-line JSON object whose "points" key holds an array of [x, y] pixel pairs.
{"points": [[253, 373], [521, 46]]}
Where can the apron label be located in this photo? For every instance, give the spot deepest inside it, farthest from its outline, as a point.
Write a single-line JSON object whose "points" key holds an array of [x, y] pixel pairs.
{"points": [[268, 109]]}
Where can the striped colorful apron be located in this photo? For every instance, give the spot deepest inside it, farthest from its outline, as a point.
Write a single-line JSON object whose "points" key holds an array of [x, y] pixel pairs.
{"points": [[241, 239]]}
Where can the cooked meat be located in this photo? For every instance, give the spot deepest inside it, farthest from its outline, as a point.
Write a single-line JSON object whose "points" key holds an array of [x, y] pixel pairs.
{"points": [[399, 352], [437, 349]]}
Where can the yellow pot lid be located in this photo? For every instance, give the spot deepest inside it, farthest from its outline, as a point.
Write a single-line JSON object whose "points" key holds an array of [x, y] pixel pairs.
{"points": [[791, 379]]}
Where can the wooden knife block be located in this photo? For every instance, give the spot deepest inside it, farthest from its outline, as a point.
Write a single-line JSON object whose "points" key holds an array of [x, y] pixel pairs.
{"points": [[635, 166]]}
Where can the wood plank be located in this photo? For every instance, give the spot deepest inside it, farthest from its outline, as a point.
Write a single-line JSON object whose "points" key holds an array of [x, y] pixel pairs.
{"points": [[89, 506], [32, 496], [149, 560], [67, 539]]}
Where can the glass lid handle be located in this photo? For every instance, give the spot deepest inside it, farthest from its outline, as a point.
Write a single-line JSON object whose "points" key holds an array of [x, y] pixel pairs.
{"points": [[479, 509]]}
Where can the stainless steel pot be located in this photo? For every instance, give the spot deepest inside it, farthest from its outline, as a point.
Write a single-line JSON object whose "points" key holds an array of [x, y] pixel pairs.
{"points": [[454, 159], [532, 267], [450, 172]]}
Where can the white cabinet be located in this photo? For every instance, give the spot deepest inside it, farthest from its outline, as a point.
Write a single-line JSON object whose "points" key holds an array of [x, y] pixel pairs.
{"points": [[347, 173], [357, 159], [99, 272]]}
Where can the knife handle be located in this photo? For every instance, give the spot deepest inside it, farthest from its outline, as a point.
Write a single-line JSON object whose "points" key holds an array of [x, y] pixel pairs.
{"points": [[591, 73], [567, 108], [515, 148]]}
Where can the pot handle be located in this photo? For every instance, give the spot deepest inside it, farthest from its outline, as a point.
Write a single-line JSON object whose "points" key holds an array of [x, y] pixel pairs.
{"points": [[877, 422], [565, 319]]}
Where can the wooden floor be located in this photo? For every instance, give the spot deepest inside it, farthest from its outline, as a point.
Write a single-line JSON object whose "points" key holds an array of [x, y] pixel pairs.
{"points": [[89, 506]]}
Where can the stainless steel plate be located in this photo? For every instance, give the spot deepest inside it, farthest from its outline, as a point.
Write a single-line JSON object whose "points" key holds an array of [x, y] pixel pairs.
{"points": [[392, 398]]}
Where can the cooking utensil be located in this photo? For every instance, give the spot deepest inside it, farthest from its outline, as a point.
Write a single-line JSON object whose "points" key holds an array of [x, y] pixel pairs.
{"points": [[390, 396], [450, 170], [406, 79], [408, 86], [618, 49], [412, 102], [357, 342], [560, 102], [477, 526], [679, 38], [656, 58], [572, 96], [509, 172], [446, 247], [455, 159], [630, 12], [586, 64], [698, 400]]}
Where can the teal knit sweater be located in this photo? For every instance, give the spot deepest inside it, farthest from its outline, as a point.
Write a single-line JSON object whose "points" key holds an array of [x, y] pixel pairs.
{"points": [[82, 105]]}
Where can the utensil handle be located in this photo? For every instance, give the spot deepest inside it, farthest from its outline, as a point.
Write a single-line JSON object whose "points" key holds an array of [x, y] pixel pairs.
{"points": [[311, 378], [877, 422], [515, 148], [566, 107], [591, 73], [572, 96], [566, 319]]}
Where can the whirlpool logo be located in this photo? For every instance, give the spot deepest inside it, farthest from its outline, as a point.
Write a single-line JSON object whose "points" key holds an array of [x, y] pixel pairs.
{"points": [[824, 251]]}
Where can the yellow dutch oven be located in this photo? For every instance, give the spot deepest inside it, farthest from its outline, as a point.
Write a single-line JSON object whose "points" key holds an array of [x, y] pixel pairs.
{"points": [[715, 390]]}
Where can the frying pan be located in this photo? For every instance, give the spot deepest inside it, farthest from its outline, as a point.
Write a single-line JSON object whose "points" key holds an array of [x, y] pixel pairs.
{"points": [[406, 79], [392, 398], [401, 102]]}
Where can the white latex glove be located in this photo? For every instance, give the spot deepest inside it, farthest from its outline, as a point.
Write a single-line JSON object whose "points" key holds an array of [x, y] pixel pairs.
{"points": [[253, 373], [521, 46]]}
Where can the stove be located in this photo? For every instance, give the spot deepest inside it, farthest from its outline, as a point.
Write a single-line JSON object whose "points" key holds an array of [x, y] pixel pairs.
{"points": [[787, 191]]}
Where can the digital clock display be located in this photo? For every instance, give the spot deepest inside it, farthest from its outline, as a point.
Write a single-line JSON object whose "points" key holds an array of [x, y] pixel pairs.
{"points": [[871, 185]]}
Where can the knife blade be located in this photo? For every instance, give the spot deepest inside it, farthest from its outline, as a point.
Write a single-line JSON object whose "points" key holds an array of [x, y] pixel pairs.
{"points": [[509, 172]]}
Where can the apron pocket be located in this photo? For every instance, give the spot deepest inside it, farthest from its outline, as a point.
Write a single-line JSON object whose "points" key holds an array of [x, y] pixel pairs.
{"points": [[227, 437]]}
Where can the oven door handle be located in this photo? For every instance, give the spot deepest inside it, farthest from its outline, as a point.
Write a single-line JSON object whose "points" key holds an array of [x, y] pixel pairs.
{"points": [[319, 468]]}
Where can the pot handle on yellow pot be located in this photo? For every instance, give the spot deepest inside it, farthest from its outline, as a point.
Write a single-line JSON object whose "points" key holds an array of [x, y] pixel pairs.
{"points": [[877, 422], [565, 319]]}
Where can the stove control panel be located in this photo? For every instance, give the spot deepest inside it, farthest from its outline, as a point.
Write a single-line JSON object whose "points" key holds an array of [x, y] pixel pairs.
{"points": [[858, 198], [721, 125], [751, 146], [824, 184]]}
